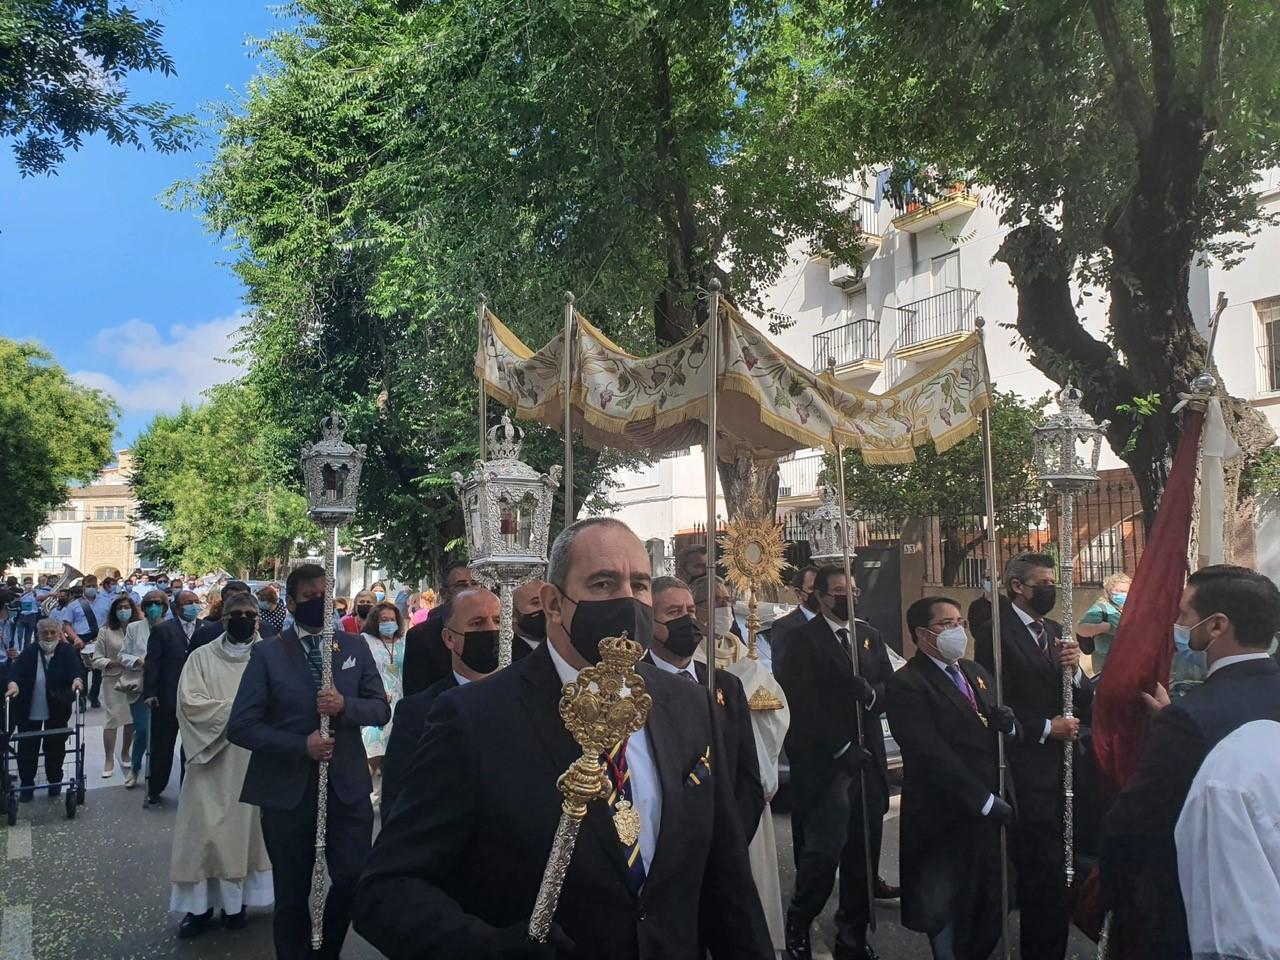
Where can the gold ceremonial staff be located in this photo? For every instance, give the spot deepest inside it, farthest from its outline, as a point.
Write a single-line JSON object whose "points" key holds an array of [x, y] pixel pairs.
{"points": [[602, 707]]}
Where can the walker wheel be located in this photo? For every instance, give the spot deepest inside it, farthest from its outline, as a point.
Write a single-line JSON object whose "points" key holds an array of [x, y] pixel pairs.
{"points": [[71, 804], [11, 809]]}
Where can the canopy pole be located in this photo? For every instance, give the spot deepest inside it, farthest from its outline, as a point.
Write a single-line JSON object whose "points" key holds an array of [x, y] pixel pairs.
{"points": [[851, 624], [709, 459], [481, 309], [567, 381]]}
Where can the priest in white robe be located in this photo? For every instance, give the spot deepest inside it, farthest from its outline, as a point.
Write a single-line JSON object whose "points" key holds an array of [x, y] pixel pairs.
{"points": [[219, 858]]}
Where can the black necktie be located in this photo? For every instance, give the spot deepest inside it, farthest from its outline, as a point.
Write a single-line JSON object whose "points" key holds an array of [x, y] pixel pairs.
{"points": [[843, 634]]}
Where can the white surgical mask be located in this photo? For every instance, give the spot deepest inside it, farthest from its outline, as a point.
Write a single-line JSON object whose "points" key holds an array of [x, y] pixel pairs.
{"points": [[48, 646], [724, 621], [952, 642]]}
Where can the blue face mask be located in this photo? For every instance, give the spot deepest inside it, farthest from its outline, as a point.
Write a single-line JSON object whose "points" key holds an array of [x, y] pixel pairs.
{"points": [[1119, 598], [124, 614], [190, 611], [388, 628], [379, 596], [264, 606], [91, 593]]}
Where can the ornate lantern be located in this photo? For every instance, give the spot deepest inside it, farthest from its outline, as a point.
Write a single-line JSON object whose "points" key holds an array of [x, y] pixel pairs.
{"points": [[506, 506], [331, 472], [1067, 447], [826, 529]]}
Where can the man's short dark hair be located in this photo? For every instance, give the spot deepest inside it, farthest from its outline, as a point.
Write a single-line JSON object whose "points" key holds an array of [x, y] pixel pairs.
{"points": [[1020, 567], [1248, 599], [663, 584], [682, 562], [452, 566], [920, 613], [233, 587], [797, 580], [300, 575], [824, 575]]}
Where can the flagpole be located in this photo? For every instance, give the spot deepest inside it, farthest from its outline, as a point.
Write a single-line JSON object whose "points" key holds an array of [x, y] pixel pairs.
{"points": [[567, 377], [846, 536], [709, 459], [997, 652], [481, 308]]}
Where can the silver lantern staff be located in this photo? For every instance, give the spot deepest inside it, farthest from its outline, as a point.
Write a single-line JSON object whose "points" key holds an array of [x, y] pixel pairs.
{"points": [[1067, 446], [331, 472], [506, 508]]}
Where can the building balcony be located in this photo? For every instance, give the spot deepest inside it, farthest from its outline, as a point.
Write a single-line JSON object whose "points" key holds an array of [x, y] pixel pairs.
{"points": [[852, 351], [934, 324], [798, 477], [919, 217], [863, 225]]}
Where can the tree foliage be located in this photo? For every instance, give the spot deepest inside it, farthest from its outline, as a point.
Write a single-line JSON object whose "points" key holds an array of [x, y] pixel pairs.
{"points": [[63, 66], [399, 159], [1121, 139], [53, 432], [211, 481], [948, 485]]}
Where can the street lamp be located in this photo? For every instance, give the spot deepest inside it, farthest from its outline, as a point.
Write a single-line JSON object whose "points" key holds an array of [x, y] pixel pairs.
{"points": [[331, 473], [506, 507], [1067, 446]]}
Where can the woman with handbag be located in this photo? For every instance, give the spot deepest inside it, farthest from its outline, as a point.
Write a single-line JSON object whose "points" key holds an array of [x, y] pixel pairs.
{"points": [[133, 658], [117, 682]]}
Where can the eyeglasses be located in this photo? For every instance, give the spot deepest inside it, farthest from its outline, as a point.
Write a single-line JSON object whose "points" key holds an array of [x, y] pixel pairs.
{"points": [[950, 623]]}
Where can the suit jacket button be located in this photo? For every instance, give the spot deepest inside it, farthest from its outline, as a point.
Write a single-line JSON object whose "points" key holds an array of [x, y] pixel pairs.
{"points": [[643, 916]]}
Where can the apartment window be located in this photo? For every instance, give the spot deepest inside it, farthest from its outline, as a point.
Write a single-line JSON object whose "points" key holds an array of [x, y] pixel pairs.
{"points": [[64, 546], [946, 271], [65, 514], [1269, 352], [46, 546], [108, 513]]}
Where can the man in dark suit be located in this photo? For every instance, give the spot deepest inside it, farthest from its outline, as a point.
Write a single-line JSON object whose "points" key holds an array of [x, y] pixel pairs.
{"points": [[676, 636], [211, 630], [276, 716], [830, 772], [471, 635], [426, 659], [48, 675], [806, 609], [1232, 614], [1034, 660], [942, 713], [531, 619], [456, 870], [167, 649]]}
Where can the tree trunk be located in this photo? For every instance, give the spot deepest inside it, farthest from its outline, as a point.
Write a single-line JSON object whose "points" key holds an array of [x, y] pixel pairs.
{"points": [[739, 486]]}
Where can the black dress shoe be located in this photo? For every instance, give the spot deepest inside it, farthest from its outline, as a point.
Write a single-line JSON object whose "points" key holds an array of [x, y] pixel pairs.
{"points": [[797, 936], [55, 792], [194, 924], [25, 795], [886, 890], [864, 952], [152, 802], [235, 921]]}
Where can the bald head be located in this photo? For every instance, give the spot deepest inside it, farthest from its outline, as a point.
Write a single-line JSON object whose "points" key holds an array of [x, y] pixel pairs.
{"points": [[477, 609], [528, 597]]}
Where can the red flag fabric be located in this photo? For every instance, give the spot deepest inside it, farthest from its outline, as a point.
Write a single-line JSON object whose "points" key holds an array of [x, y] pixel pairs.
{"points": [[1142, 651]]}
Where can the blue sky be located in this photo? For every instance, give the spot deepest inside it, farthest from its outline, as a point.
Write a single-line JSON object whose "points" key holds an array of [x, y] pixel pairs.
{"points": [[128, 296]]}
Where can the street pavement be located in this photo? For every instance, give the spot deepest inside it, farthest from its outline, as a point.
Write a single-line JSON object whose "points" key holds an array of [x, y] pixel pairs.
{"points": [[97, 886]]}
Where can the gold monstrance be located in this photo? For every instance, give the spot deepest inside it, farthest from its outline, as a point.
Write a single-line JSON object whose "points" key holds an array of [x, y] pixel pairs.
{"points": [[601, 708], [754, 557]]}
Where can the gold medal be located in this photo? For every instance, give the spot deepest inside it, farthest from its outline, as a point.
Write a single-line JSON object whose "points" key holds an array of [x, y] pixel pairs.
{"points": [[627, 822]]}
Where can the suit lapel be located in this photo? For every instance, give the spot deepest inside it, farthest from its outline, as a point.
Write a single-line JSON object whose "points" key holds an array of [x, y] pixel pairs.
{"points": [[664, 738], [293, 653], [943, 683], [833, 648], [1026, 644]]}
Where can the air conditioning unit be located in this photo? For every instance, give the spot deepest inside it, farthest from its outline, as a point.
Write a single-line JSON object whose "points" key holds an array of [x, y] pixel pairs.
{"points": [[847, 276]]}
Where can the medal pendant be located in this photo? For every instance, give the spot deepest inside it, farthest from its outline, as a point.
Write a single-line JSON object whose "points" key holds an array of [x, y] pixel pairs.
{"points": [[627, 822], [984, 720]]}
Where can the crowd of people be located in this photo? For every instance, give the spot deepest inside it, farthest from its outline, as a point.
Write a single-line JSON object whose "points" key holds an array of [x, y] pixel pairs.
{"points": [[462, 758]]}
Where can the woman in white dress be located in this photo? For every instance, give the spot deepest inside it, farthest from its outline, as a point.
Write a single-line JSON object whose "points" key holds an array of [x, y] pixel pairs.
{"points": [[384, 632], [116, 682]]}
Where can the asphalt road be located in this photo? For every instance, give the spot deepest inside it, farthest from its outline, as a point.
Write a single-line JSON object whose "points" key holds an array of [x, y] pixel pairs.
{"points": [[97, 886]]}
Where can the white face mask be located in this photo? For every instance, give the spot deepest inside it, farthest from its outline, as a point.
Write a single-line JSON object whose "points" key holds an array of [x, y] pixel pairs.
{"points": [[48, 646], [953, 643], [724, 621]]}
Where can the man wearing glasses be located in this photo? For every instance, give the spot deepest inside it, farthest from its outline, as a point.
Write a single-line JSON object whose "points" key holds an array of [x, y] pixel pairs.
{"points": [[426, 659], [829, 768]]}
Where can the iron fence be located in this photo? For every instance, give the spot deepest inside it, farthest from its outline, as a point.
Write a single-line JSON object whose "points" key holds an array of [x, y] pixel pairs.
{"points": [[859, 340], [945, 313]]}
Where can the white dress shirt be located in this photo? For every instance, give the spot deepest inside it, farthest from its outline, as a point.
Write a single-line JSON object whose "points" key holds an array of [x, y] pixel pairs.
{"points": [[672, 668], [1228, 842], [462, 681], [646, 791], [1238, 658], [1027, 619]]}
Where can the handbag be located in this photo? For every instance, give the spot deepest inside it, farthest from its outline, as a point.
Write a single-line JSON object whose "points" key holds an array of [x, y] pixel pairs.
{"points": [[129, 682]]}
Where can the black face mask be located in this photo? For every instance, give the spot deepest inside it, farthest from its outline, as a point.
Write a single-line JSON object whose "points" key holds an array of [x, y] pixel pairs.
{"points": [[840, 608], [362, 610], [811, 602], [480, 650], [593, 620], [241, 629], [1043, 598], [534, 625], [683, 636], [310, 613]]}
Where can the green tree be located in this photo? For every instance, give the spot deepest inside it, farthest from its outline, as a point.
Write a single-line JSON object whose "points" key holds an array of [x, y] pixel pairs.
{"points": [[53, 433], [1121, 139], [62, 71], [948, 485], [399, 159], [209, 479]]}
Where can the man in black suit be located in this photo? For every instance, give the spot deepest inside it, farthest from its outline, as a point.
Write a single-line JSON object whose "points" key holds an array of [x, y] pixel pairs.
{"points": [[48, 675], [829, 769], [276, 716], [676, 636], [1034, 660], [806, 609], [1231, 613], [942, 713], [456, 870], [167, 649], [531, 619], [471, 636], [426, 659], [211, 630]]}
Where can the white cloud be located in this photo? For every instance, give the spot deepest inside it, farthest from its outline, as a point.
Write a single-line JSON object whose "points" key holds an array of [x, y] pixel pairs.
{"points": [[153, 372]]}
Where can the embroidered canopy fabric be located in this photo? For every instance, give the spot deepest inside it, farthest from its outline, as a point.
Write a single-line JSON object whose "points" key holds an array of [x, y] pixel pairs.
{"points": [[769, 405]]}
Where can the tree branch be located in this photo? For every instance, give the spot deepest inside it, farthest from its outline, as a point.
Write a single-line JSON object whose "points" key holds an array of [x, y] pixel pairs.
{"points": [[1164, 57], [1133, 95], [1213, 31]]}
